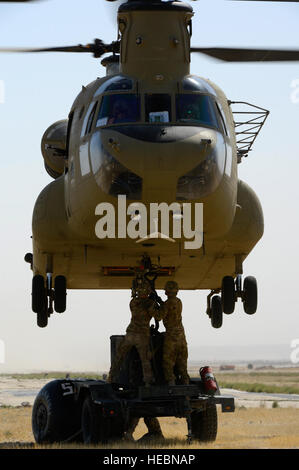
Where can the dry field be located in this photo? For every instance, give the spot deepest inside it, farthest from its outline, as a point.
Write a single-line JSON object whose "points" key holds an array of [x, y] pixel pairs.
{"points": [[280, 381], [255, 428], [276, 380]]}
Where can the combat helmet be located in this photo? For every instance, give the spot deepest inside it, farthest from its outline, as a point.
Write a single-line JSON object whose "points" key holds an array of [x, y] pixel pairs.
{"points": [[171, 287]]}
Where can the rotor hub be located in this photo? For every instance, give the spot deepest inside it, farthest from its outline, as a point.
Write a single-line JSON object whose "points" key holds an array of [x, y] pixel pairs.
{"points": [[154, 5]]}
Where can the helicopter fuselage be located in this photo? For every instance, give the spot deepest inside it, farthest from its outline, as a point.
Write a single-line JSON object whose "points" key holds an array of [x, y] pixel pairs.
{"points": [[156, 134]]}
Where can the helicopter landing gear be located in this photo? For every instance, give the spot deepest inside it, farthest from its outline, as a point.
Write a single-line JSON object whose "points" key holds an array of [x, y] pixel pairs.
{"points": [[231, 290], [247, 293], [214, 309], [44, 297], [60, 294], [39, 300], [249, 297], [228, 294]]}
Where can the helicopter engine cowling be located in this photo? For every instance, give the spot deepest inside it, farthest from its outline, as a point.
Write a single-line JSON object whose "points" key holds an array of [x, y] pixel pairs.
{"points": [[53, 148]]}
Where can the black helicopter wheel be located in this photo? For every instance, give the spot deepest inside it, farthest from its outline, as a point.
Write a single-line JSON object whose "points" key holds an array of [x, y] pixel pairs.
{"points": [[39, 300], [228, 294], [42, 318], [216, 312], [39, 295], [249, 296], [60, 294]]}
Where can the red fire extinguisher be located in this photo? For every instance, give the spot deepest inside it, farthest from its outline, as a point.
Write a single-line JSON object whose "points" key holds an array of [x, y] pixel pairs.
{"points": [[208, 380]]}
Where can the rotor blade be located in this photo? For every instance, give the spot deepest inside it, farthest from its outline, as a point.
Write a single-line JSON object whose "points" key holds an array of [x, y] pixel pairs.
{"points": [[98, 48], [79, 48], [248, 55], [281, 1]]}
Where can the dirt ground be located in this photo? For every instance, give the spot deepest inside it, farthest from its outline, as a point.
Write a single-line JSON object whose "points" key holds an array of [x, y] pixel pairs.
{"points": [[252, 428]]}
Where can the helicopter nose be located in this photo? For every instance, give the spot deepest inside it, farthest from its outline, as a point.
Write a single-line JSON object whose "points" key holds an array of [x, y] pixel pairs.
{"points": [[173, 149], [159, 155]]}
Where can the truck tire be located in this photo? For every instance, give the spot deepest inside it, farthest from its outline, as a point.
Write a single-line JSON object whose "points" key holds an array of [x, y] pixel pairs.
{"points": [[95, 427], [116, 428], [55, 415], [204, 424]]}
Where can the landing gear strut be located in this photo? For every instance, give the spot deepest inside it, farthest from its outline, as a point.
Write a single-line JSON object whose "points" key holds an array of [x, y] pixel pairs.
{"points": [[44, 297]]}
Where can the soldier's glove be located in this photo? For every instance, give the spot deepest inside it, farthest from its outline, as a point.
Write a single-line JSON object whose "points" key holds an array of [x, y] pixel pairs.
{"points": [[154, 296]]}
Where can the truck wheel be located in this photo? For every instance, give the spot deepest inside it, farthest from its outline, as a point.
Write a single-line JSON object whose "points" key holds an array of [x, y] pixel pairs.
{"points": [[250, 295], [204, 424], [117, 430], [60, 294], [216, 312], [95, 427], [228, 294], [55, 415]]}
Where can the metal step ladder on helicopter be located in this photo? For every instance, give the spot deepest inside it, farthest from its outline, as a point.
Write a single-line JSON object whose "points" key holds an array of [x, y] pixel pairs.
{"points": [[231, 290]]}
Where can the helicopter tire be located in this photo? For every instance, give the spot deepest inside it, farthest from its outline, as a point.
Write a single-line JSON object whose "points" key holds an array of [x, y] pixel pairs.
{"points": [[95, 427], [250, 295], [228, 295], [216, 312], [60, 294], [56, 417], [42, 318], [39, 297]]}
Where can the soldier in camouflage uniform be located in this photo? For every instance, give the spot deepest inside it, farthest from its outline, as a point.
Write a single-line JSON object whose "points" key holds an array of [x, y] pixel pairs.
{"points": [[143, 309], [175, 351]]}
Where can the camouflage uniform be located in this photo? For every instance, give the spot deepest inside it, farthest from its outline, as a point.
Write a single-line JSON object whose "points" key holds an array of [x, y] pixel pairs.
{"points": [[138, 332], [175, 351]]}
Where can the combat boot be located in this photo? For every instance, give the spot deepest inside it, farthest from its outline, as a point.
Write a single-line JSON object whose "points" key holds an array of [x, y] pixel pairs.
{"points": [[151, 437]]}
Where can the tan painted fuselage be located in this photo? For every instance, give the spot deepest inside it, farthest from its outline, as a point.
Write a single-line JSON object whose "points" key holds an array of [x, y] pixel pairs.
{"points": [[159, 155]]}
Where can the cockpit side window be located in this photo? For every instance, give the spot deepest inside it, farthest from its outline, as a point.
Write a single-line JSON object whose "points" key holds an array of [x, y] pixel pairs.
{"points": [[90, 119], [197, 109], [157, 108], [68, 135], [119, 109]]}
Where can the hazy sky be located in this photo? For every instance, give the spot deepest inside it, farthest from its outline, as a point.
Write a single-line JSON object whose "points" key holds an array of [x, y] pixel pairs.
{"points": [[40, 89]]}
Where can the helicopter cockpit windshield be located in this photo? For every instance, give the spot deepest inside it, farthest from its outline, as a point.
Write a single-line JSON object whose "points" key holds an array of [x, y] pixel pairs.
{"points": [[196, 109], [119, 109], [193, 104]]}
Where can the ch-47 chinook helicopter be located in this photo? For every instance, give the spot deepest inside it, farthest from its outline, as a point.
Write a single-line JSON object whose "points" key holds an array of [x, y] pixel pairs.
{"points": [[155, 133]]}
